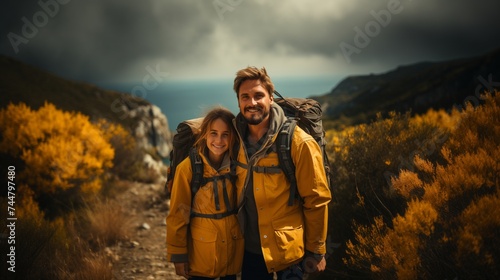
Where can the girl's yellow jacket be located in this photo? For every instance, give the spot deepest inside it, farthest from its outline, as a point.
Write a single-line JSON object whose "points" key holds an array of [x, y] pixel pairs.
{"points": [[212, 247]]}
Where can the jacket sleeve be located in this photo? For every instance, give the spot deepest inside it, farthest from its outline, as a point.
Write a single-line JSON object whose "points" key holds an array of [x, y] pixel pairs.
{"points": [[179, 215], [313, 188]]}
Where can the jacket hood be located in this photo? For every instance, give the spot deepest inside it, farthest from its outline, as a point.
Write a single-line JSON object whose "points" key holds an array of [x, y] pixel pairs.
{"points": [[226, 161]]}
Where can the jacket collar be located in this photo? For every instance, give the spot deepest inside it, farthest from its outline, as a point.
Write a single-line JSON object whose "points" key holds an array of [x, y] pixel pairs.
{"points": [[226, 161]]}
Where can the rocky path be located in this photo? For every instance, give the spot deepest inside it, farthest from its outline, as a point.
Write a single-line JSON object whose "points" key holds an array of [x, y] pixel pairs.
{"points": [[143, 256]]}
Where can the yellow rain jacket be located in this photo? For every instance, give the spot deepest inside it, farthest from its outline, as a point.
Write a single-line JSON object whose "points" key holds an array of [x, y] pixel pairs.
{"points": [[285, 232], [213, 247]]}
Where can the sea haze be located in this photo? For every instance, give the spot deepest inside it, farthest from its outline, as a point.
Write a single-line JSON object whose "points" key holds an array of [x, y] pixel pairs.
{"points": [[182, 100]]}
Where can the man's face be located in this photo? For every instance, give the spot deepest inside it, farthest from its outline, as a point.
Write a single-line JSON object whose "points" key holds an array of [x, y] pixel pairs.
{"points": [[254, 101]]}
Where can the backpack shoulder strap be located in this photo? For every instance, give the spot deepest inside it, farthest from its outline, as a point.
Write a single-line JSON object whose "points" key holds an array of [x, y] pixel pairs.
{"points": [[283, 144], [197, 167], [198, 180]]}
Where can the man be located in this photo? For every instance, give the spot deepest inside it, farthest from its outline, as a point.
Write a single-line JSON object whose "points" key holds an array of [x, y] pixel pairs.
{"points": [[278, 237]]}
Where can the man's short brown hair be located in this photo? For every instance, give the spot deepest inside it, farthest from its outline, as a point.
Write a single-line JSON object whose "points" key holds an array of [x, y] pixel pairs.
{"points": [[253, 73]]}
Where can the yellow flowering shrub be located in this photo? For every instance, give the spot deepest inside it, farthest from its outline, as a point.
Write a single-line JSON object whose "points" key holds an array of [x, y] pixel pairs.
{"points": [[60, 151], [440, 219]]}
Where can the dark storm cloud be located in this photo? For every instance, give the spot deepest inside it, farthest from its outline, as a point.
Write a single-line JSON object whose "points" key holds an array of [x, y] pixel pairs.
{"points": [[93, 39], [115, 39], [433, 30], [421, 29]]}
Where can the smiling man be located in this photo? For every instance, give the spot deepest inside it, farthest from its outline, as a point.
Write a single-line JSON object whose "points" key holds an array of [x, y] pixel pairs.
{"points": [[278, 236]]}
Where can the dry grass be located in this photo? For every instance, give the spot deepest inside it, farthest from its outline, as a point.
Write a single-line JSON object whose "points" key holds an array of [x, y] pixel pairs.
{"points": [[87, 266], [106, 223], [115, 186], [54, 250]]}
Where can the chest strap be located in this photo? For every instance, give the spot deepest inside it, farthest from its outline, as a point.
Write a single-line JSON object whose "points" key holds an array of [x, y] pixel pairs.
{"points": [[217, 216], [267, 169], [214, 180]]}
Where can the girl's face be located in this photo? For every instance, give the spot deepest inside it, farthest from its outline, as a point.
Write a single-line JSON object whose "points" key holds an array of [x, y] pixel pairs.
{"points": [[218, 140]]}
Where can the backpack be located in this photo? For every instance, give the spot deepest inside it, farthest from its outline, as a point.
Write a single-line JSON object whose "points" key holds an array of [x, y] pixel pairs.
{"points": [[183, 141], [306, 113]]}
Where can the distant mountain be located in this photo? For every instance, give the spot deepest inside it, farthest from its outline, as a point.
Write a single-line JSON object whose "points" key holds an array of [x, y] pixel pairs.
{"points": [[20, 82], [416, 87]]}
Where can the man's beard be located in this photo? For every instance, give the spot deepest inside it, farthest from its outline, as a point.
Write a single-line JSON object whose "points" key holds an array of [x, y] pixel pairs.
{"points": [[256, 119]]}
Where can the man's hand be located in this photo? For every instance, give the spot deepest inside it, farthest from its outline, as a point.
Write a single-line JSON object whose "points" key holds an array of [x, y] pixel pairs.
{"points": [[182, 269], [321, 264], [314, 263]]}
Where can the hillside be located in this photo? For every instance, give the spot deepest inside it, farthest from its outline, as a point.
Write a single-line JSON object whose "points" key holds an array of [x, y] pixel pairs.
{"points": [[141, 252], [417, 87], [23, 83], [20, 82]]}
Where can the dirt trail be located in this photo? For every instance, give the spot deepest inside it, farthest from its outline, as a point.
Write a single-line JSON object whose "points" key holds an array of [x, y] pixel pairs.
{"points": [[143, 256]]}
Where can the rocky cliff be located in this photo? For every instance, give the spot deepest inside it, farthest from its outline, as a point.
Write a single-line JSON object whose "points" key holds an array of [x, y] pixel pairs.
{"points": [[150, 127]]}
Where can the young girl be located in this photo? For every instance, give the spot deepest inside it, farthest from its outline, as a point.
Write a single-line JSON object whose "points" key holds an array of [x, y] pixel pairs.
{"points": [[204, 240]]}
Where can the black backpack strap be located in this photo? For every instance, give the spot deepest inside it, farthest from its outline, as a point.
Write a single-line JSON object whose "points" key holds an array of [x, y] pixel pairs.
{"points": [[283, 144], [217, 216], [197, 167], [198, 180], [230, 210], [267, 169], [214, 181]]}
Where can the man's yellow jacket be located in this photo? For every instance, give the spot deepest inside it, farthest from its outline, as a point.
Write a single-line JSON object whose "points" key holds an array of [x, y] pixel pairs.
{"points": [[285, 231]]}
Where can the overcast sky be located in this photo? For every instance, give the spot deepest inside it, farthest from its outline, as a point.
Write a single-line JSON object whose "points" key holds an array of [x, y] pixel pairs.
{"points": [[116, 40]]}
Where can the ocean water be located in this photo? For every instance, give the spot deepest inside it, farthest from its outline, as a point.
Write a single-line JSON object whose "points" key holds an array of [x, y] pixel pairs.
{"points": [[182, 100]]}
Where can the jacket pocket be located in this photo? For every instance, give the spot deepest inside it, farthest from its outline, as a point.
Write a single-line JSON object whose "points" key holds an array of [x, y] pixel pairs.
{"points": [[289, 234], [203, 256]]}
